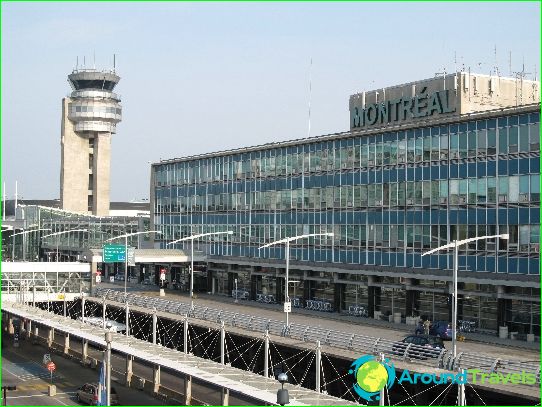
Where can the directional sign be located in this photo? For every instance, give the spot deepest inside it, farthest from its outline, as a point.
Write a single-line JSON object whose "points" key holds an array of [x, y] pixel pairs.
{"points": [[114, 253], [46, 358], [51, 366]]}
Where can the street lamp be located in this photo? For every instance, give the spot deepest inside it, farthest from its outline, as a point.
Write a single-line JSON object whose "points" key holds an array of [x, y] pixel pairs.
{"points": [[108, 340], [24, 234], [192, 238], [61, 233], [455, 244], [126, 251], [287, 305]]}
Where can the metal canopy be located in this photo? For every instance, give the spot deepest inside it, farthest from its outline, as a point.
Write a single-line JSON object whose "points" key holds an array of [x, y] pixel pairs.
{"points": [[237, 380]]}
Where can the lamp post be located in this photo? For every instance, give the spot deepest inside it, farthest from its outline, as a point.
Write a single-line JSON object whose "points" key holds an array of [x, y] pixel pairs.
{"points": [[23, 234], [455, 244], [108, 340], [62, 233], [192, 238], [287, 305]]}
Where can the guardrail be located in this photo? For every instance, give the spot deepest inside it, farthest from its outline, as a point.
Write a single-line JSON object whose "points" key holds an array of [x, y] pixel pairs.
{"points": [[361, 344]]}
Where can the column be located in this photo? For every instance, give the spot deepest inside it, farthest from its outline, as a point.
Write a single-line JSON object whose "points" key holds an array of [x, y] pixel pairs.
{"points": [[374, 295], [156, 378], [129, 371], [67, 344], [188, 390], [225, 399], [411, 297], [84, 351], [50, 337], [338, 297], [279, 289], [254, 286]]}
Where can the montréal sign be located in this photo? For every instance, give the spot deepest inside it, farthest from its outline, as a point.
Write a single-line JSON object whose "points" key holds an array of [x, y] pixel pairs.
{"points": [[404, 108]]}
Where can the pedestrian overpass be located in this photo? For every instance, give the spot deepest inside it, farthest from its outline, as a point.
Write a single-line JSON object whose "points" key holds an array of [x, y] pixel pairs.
{"points": [[229, 379]]}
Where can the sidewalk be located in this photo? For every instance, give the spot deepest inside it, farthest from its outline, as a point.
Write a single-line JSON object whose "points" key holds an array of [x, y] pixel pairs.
{"points": [[274, 311]]}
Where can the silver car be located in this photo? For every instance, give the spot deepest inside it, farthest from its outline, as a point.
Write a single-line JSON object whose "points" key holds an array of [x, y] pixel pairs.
{"points": [[88, 394]]}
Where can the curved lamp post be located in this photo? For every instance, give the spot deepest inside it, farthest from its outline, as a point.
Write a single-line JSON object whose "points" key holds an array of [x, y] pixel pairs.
{"points": [[287, 305], [192, 238], [455, 244]]}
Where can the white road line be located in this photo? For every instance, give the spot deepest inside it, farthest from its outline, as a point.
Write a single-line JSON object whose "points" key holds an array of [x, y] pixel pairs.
{"points": [[11, 373]]}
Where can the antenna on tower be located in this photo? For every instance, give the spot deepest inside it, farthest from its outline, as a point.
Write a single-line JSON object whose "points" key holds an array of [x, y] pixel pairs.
{"points": [[310, 96], [77, 63], [94, 59], [84, 61], [113, 62]]}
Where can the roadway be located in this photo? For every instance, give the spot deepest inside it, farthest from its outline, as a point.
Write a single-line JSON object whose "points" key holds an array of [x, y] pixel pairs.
{"points": [[22, 367], [474, 343]]}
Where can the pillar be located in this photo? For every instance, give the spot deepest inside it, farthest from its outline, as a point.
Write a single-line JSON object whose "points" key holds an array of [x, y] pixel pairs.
{"points": [[253, 287], [129, 371], [210, 276], [93, 274], [11, 329], [225, 399], [185, 335], [318, 366], [36, 336], [156, 378], [279, 291], [84, 350], [154, 322], [67, 344], [222, 343], [374, 296], [188, 390], [266, 354], [338, 297], [411, 297], [50, 337], [29, 328]]}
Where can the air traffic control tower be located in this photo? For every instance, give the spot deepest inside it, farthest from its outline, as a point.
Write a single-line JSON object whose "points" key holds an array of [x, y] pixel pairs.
{"points": [[89, 117]]}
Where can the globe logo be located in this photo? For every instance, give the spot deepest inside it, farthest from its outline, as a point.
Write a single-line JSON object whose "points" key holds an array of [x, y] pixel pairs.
{"points": [[371, 376]]}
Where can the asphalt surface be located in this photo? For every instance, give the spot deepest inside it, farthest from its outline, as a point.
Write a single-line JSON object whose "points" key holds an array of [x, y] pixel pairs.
{"points": [[22, 367]]}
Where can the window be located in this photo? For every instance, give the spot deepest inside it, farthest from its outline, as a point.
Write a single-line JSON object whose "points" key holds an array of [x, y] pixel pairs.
{"points": [[491, 142], [534, 143], [503, 189], [503, 140], [524, 139], [491, 190], [535, 188], [513, 140]]}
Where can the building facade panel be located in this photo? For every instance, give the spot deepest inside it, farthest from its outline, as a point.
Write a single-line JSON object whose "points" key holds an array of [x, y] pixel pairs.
{"points": [[388, 194]]}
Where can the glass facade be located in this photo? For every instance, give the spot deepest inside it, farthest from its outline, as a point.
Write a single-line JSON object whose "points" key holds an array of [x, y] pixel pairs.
{"points": [[35, 246], [387, 197]]}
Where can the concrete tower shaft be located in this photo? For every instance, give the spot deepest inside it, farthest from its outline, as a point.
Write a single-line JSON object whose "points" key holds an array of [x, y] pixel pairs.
{"points": [[89, 117]]}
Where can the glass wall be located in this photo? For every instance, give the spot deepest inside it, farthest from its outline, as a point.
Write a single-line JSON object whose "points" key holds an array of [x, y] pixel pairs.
{"points": [[386, 197]]}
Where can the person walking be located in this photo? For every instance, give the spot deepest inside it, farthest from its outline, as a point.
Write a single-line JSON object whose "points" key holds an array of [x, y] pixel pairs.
{"points": [[426, 326]]}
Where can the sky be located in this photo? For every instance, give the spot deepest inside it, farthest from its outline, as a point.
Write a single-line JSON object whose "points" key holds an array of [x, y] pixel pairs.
{"points": [[205, 77]]}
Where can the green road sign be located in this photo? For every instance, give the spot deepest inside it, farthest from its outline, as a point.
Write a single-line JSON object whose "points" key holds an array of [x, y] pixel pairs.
{"points": [[114, 253]]}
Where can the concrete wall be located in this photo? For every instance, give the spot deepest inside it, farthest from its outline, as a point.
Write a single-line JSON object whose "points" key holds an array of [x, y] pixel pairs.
{"points": [[101, 170], [74, 169]]}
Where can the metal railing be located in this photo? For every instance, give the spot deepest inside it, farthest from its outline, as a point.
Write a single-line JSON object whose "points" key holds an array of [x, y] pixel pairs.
{"points": [[360, 344]]}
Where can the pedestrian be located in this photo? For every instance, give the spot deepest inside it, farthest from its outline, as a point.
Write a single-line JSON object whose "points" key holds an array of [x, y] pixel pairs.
{"points": [[426, 326]]}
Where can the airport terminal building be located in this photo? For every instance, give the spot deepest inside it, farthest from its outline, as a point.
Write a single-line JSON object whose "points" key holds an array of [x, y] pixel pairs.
{"points": [[423, 164]]}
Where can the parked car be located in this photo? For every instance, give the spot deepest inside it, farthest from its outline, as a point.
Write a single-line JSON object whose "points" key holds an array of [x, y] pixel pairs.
{"points": [[422, 346], [88, 394], [442, 329]]}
